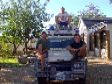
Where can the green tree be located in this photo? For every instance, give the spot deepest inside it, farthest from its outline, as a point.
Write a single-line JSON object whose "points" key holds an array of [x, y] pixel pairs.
{"points": [[92, 11], [19, 18], [75, 19]]}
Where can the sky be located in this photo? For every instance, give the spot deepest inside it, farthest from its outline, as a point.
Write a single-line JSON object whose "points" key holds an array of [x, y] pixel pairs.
{"points": [[74, 6]]}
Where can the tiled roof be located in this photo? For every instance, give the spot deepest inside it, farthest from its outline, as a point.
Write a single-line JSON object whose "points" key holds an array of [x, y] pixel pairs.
{"points": [[91, 22]]}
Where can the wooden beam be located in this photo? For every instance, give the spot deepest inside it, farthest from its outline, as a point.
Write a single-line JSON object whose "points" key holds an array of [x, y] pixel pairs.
{"points": [[108, 44]]}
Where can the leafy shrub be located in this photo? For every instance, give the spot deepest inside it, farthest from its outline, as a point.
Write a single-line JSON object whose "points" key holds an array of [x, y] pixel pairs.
{"points": [[5, 49]]}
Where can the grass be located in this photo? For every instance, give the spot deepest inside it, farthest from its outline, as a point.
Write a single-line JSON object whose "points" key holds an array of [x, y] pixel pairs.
{"points": [[9, 62]]}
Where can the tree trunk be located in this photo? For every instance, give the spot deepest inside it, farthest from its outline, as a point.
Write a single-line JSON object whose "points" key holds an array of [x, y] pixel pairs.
{"points": [[14, 49], [26, 48]]}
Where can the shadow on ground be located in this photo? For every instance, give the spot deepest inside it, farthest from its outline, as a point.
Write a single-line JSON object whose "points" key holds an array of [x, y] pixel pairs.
{"points": [[17, 75], [97, 73]]}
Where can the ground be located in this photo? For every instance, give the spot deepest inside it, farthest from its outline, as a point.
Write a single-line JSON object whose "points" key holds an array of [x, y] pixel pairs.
{"points": [[17, 75], [98, 73]]}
